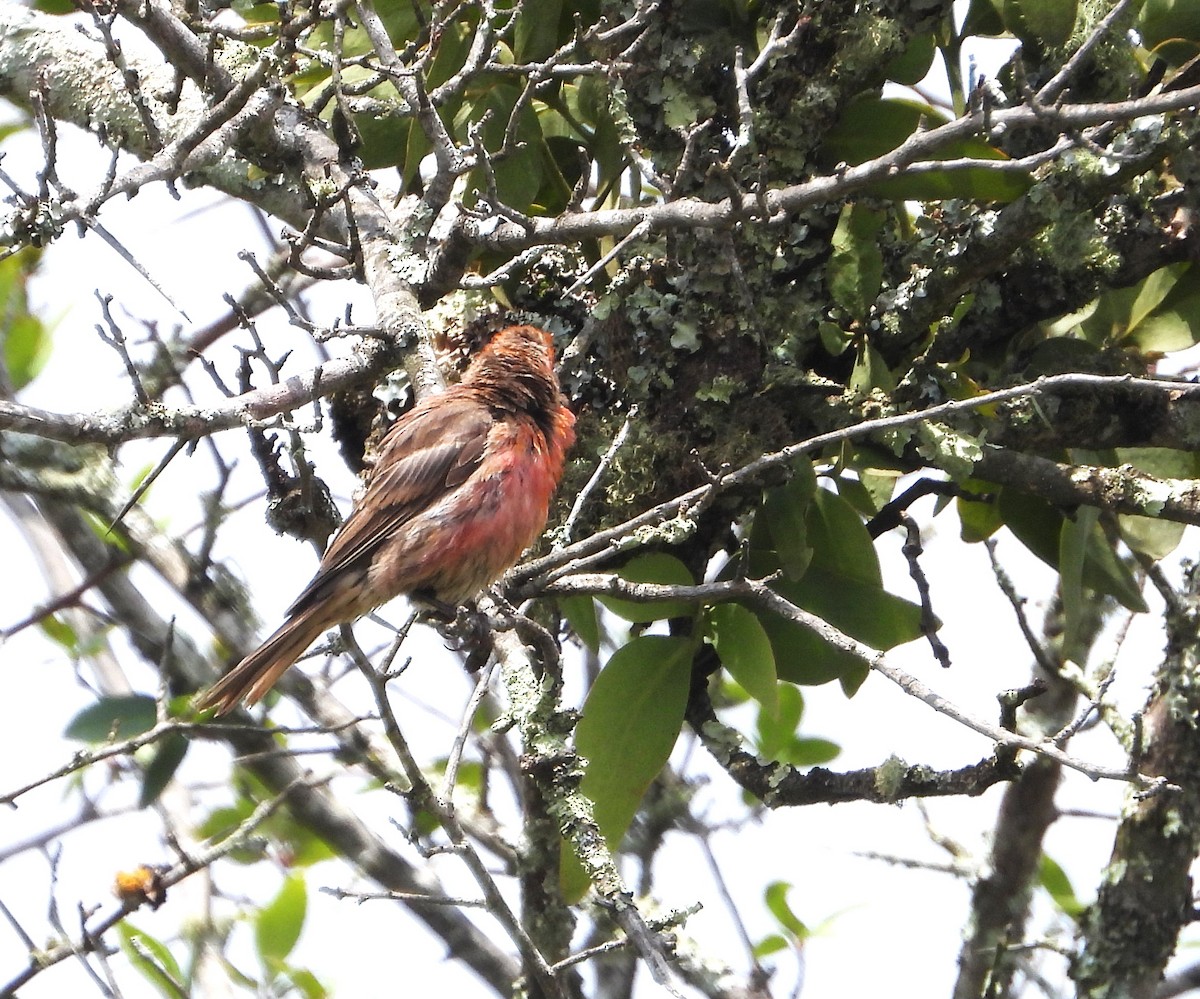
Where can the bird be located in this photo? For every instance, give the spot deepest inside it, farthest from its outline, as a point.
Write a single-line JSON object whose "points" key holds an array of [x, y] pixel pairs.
{"points": [[460, 488]]}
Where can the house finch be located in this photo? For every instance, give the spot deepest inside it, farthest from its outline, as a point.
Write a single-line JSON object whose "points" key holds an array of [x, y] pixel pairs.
{"points": [[461, 487]]}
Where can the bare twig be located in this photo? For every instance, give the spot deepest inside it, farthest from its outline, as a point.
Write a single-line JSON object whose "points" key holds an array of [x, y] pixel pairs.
{"points": [[596, 478]]}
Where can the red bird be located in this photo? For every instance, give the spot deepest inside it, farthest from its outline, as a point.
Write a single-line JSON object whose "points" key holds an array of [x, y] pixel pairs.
{"points": [[461, 487]]}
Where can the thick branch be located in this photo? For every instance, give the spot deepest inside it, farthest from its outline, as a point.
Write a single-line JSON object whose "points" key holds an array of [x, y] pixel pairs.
{"points": [[1118, 490], [779, 785], [779, 204], [372, 360], [1146, 893]]}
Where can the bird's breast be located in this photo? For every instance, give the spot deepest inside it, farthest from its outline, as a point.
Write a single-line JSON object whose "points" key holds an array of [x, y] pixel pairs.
{"points": [[479, 529]]}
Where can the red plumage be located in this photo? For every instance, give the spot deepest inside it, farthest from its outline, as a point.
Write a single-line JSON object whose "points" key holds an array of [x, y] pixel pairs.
{"points": [[460, 488]]}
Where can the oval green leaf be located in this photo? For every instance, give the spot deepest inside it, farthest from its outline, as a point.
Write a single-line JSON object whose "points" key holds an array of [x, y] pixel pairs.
{"points": [[279, 923], [840, 541], [630, 722], [777, 904], [854, 272], [168, 755], [774, 732], [785, 513], [120, 717], [1049, 22], [745, 651], [580, 612], [1038, 526], [153, 960]]}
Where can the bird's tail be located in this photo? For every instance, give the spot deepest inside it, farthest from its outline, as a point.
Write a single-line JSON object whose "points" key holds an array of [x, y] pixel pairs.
{"points": [[250, 679]]}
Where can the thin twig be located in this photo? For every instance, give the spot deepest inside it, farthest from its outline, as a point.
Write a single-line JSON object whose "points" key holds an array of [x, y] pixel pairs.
{"points": [[596, 478], [464, 731]]}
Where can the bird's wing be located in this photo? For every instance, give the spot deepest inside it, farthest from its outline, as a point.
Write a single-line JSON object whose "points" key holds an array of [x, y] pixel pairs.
{"points": [[429, 452]]}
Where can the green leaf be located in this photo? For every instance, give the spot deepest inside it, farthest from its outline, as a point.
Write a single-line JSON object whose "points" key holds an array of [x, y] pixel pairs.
{"points": [[745, 650], [306, 983], [1054, 879], [864, 611], [299, 845], [655, 567], [869, 614], [519, 175], [811, 752], [591, 102], [58, 631], [580, 612], [909, 68], [25, 340], [279, 923], [871, 371], [778, 738], [1175, 323], [834, 339], [1160, 20], [1151, 537], [842, 585], [1049, 22], [27, 346], [777, 904], [803, 657], [630, 722], [1072, 553], [855, 269], [1105, 572], [1038, 526], [871, 126], [537, 31], [777, 730], [391, 141], [983, 18], [1158, 315], [785, 511], [978, 520], [153, 960], [975, 183], [561, 171], [840, 540], [1163, 462], [870, 491], [168, 755], [773, 943], [1171, 29], [453, 41], [121, 717]]}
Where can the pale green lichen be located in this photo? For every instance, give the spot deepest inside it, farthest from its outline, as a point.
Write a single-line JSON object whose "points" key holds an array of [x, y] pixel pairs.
{"points": [[670, 532], [778, 774], [685, 336], [721, 389], [889, 777], [1151, 495], [955, 453], [721, 740]]}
